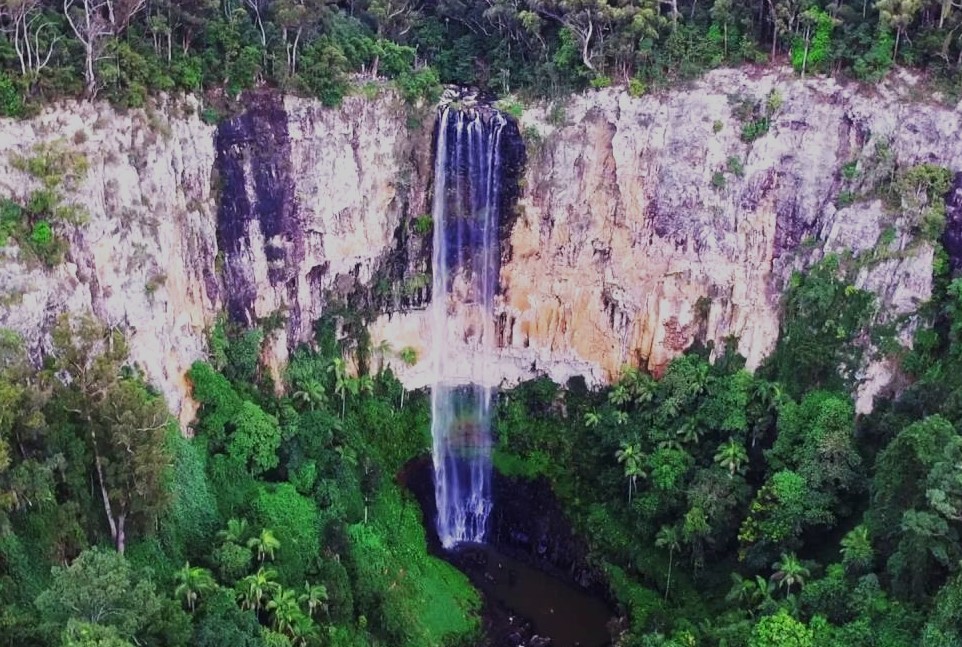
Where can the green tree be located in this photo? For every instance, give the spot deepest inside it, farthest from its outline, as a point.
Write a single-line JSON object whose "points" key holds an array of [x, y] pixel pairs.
{"points": [[311, 394], [125, 426], [668, 537], [99, 587], [192, 583], [789, 571], [857, 553], [732, 457], [631, 457], [235, 532], [265, 544], [781, 630], [315, 595], [255, 439], [254, 590], [339, 370], [898, 15], [86, 634], [284, 609]]}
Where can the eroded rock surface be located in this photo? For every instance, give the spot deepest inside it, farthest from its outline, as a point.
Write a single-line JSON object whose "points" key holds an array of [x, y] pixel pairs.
{"points": [[643, 224]]}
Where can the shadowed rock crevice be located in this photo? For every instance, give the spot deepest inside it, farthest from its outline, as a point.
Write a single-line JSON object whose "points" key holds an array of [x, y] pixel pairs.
{"points": [[258, 206], [952, 239]]}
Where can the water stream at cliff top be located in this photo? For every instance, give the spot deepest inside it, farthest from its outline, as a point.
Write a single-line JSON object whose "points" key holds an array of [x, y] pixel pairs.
{"points": [[467, 196]]}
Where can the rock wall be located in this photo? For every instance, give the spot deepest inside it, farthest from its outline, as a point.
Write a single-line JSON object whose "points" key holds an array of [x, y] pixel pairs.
{"points": [[265, 213], [648, 223], [643, 224]]}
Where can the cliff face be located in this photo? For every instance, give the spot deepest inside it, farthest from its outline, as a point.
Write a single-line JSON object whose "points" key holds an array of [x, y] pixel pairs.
{"points": [[643, 225], [260, 215]]}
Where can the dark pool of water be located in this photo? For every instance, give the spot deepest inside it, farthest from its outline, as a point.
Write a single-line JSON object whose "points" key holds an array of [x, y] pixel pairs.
{"points": [[556, 609], [520, 599]]}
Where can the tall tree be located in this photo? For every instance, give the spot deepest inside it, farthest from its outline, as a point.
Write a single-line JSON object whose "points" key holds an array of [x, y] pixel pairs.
{"points": [[898, 15], [94, 22], [123, 423]]}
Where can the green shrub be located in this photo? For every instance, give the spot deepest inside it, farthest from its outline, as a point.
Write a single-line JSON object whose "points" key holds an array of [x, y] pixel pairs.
{"points": [[421, 84], [45, 244], [735, 166], [423, 225], [232, 562], [845, 199], [718, 180], [601, 81], [850, 171], [11, 101], [636, 87], [511, 106], [755, 129], [11, 220]]}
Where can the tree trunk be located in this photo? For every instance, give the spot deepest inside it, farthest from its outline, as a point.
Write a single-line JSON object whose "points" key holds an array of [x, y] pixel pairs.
{"points": [[116, 529], [585, 45], [808, 32], [121, 533], [89, 76], [671, 555]]}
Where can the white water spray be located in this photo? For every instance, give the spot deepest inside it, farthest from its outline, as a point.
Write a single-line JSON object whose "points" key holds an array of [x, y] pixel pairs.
{"points": [[466, 255]]}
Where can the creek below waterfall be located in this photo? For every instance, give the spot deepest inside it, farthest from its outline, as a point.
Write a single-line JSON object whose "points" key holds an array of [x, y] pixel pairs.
{"points": [[532, 572]]}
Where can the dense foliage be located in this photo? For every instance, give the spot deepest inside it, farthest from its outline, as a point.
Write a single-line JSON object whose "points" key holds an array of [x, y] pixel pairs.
{"points": [[278, 523], [738, 509], [726, 508], [126, 49]]}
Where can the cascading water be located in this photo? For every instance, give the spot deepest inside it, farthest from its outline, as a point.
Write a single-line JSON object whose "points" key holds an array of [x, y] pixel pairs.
{"points": [[466, 256]]}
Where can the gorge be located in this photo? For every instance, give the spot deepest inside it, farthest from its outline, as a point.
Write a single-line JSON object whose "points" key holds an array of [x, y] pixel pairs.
{"points": [[662, 350]]}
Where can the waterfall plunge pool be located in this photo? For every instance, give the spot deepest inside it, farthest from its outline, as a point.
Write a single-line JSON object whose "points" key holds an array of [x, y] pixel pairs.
{"points": [[531, 572]]}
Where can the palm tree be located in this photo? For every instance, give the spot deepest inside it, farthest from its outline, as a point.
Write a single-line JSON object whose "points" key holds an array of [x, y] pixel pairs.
{"points": [[316, 598], [253, 589], [857, 553], [631, 457], [741, 590], [265, 543], [621, 418], [284, 608], [303, 631], [592, 419], [619, 395], [236, 531], [670, 408], [731, 456], [668, 537], [192, 582], [311, 394], [338, 368], [789, 571], [690, 433], [365, 384], [750, 593]]}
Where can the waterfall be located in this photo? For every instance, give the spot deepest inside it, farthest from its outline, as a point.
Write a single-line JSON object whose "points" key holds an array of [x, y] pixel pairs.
{"points": [[466, 255]]}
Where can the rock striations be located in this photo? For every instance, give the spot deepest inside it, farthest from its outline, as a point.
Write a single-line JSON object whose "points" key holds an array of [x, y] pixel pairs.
{"points": [[642, 225]]}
